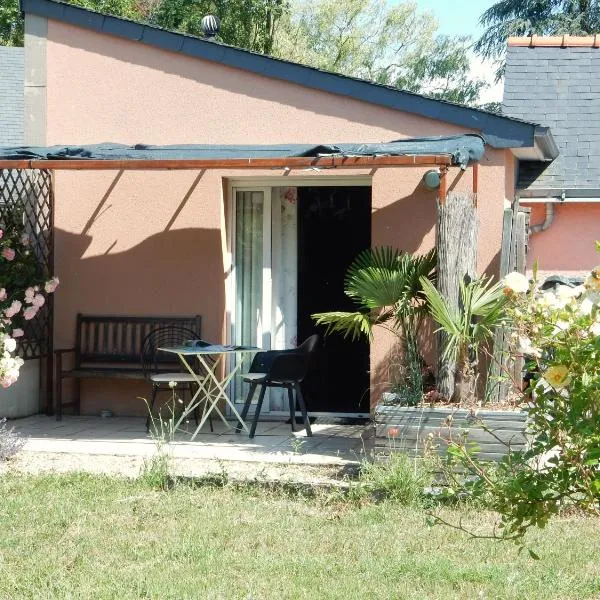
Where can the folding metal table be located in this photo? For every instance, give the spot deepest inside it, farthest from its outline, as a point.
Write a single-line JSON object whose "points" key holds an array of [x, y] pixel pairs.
{"points": [[208, 382]]}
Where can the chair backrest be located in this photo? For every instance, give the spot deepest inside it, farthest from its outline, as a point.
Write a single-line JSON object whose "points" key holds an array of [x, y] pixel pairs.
{"points": [[153, 359], [293, 365], [118, 339], [309, 345]]}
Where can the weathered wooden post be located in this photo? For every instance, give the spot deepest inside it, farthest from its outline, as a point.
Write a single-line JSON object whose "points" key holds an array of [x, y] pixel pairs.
{"points": [[456, 241]]}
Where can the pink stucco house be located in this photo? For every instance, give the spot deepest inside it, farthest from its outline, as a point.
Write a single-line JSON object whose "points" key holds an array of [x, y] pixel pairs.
{"points": [[130, 241]]}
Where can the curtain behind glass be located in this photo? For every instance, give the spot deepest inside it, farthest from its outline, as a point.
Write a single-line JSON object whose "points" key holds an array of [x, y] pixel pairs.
{"points": [[248, 260]]}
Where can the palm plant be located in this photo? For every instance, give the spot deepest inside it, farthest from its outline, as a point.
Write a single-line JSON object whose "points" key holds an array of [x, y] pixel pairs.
{"points": [[386, 285], [466, 327]]}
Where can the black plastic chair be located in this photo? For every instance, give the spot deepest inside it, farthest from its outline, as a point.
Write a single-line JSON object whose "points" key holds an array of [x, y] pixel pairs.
{"points": [[159, 366], [281, 369]]}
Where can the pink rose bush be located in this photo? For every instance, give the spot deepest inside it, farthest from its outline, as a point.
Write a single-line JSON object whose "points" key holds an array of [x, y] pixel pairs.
{"points": [[23, 290]]}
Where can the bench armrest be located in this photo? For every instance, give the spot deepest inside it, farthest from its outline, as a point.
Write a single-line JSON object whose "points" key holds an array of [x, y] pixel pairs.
{"points": [[64, 350]]}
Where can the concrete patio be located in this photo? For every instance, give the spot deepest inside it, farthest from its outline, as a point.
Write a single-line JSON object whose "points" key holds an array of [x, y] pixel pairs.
{"points": [[119, 445]]}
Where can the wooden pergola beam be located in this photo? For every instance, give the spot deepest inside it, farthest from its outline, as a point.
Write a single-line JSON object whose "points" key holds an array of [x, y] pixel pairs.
{"points": [[324, 162]]}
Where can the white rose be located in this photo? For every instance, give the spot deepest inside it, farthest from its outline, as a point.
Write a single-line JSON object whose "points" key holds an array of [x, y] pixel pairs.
{"points": [[516, 282], [10, 344]]}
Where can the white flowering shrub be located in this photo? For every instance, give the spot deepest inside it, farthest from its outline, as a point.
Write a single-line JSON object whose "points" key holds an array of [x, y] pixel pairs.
{"points": [[558, 334], [23, 290]]}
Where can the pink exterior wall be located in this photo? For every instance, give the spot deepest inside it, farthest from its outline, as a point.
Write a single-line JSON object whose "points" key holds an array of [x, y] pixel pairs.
{"points": [[152, 242], [568, 245]]}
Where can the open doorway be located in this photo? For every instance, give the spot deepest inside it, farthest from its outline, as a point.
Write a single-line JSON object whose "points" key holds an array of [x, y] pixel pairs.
{"points": [[334, 226], [290, 248]]}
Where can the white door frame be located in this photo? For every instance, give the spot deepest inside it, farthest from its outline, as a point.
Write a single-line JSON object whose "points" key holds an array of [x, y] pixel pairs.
{"points": [[265, 184]]}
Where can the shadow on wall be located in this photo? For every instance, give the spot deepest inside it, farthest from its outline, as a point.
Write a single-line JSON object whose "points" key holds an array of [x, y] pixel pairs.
{"points": [[389, 369], [176, 272], [405, 223]]}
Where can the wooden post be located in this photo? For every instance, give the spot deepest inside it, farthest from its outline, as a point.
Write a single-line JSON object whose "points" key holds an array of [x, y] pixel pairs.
{"points": [[513, 257], [456, 240]]}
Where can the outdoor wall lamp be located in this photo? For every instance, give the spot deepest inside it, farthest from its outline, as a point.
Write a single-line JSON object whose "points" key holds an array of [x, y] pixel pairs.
{"points": [[431, 179]]}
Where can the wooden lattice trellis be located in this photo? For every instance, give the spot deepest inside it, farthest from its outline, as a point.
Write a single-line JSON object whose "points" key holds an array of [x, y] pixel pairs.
{"points": [[27, 194]]}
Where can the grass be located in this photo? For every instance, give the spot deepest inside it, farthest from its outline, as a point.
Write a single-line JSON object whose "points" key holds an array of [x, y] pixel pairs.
{"points": [[79, 536]]}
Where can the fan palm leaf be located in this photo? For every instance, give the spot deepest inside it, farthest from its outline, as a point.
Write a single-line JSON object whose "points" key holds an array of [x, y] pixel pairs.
{"points": [[385, 283], [480, 311]]}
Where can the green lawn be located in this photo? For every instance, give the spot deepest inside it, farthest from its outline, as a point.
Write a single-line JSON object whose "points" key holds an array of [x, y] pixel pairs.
{"points": [[93, 537]]}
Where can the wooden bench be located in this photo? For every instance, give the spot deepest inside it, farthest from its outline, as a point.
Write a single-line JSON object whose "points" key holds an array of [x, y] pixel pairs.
{"points": [[109, 346]]}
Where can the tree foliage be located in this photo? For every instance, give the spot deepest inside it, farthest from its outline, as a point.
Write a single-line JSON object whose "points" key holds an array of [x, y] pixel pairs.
{"points": [[509, 18], [245, 23], [391, 44]]}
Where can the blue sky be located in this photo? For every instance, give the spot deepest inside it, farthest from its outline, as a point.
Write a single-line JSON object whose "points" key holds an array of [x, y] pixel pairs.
{"points": [[461, 17], [456, 17]]}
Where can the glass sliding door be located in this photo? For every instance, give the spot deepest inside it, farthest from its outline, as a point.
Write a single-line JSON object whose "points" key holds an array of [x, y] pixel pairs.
{"points": [[264, 254]]}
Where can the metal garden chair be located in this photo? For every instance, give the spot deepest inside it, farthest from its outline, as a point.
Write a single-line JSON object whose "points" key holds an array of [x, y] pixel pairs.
{"points": [[160, 368]]}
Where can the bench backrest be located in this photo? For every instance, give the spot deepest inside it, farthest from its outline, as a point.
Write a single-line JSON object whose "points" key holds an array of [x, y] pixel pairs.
{"points": [[118, 339]]}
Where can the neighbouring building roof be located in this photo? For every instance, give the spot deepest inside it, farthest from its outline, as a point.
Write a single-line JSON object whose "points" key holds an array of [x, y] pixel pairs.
{"points": [[499, 131], [11, 96], [556, 81], [460, 150]]}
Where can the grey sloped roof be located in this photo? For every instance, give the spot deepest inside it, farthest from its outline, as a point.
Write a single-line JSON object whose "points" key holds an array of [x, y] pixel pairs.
{"points": [[461, 148], [560, 88], [11, 96], [499, 131]]}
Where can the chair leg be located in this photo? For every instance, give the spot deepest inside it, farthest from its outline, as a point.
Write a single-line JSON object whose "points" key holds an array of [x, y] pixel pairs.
{"points": [[197, 410], [77, 407], [151, 410], [197, 407], [292, 404], [302, 405], [261, 397], [246, 408], [58, 396]]}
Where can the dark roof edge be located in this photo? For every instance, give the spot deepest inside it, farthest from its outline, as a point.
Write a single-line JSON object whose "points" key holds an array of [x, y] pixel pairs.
{"points": [[499, 131], [546, 143]]}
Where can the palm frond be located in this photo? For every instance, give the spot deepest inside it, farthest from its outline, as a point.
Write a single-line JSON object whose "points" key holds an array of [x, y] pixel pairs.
{"points": [[374, 278], [350, 324]]}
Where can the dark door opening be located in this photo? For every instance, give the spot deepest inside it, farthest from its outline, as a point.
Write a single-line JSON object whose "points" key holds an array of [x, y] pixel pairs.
{"points": [[334, 225]]}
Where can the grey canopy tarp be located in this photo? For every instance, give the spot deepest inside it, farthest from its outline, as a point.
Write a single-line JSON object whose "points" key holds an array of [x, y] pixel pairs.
{"points": [[461, 148]]}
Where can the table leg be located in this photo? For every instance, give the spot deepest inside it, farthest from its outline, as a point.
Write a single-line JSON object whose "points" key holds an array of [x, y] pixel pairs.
{"points": [[220, 386]]}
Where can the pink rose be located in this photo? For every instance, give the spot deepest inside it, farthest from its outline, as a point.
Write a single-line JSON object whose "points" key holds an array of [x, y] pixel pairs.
{"points": [[38, 300], [13, 309], [30, 312], [1, 234], [3, 294], [51, 285], [8, 254], [29, 294], [25, 239], [17, 333]]}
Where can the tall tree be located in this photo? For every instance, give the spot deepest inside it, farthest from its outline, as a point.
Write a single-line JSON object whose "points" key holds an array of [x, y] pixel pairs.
{"points": [[391, 44], [509, 18], [245, 23]]}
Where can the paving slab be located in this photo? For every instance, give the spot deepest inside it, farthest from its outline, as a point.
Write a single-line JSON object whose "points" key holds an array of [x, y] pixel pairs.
{"points": [[121, 444]]}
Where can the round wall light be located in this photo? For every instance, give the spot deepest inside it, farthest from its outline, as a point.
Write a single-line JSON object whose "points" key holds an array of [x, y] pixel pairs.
{"points": [[431, 179]]}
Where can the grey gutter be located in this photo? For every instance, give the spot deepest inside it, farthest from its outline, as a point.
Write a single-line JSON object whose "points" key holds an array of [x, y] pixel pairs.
{"points": [[499, 131], [546, 143]]}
